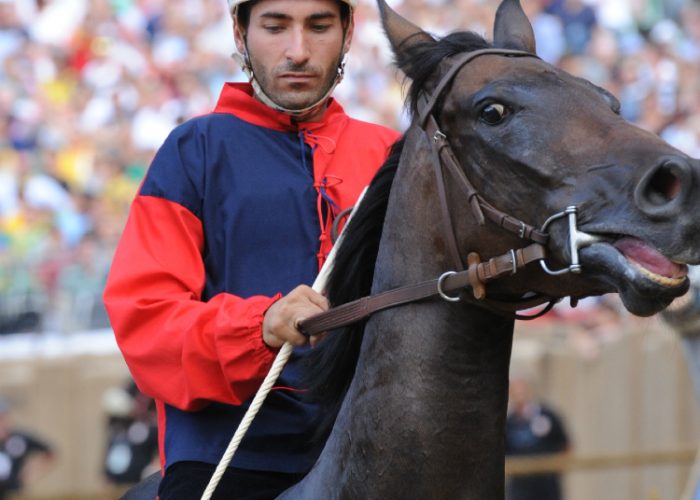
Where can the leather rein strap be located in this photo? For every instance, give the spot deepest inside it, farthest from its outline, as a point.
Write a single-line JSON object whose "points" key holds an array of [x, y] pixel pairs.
{"points": [[477, 273]]}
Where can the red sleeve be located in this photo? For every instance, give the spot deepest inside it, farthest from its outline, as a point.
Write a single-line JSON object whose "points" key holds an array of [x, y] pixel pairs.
{"points": [[179, 349]]}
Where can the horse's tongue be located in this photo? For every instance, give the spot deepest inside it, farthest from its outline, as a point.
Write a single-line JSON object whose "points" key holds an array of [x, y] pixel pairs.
{"points": [[649, 258]]}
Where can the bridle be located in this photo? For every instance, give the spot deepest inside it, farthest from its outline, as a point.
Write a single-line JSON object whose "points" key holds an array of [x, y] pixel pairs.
{"points": [[477, 273], [444, 158]]}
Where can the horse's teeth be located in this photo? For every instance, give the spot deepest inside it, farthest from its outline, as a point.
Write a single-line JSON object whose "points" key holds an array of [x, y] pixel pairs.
{"points": [[657, 278]]}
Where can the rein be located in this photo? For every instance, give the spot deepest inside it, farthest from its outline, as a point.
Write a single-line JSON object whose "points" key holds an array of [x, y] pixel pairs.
{"points": [[474, 276], [477, 273]]}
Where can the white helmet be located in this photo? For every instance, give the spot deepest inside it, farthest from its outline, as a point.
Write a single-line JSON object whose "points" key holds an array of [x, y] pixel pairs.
{"points": [[233, 4], [245, 64]]}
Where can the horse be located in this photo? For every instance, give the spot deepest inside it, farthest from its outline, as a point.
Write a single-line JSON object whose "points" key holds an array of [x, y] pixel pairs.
{"points": [[516, 184]]}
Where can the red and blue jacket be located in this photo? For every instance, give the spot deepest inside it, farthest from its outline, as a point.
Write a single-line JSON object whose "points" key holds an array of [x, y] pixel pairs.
{"points": [[234, 212]]}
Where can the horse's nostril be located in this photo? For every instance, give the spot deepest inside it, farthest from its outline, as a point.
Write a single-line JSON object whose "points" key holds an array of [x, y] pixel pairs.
{"points": [[660, 193], [663, 186]]}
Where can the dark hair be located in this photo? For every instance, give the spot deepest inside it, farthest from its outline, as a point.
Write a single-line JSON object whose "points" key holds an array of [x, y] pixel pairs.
{"points": [[243, 13]]}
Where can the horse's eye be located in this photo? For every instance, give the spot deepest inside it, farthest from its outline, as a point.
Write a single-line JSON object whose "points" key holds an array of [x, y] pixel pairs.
{"points": [[494, 113]]}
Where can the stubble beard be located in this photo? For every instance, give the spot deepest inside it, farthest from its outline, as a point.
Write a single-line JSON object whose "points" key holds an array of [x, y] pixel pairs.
{"points": [[298, 97]]}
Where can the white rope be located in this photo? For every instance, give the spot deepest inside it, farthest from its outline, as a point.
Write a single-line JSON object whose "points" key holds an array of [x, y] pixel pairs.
{"points": [[280, 361], [270, 378]]}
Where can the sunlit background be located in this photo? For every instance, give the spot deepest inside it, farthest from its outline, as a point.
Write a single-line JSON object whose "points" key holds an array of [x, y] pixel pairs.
{"points": [[90, 89]]}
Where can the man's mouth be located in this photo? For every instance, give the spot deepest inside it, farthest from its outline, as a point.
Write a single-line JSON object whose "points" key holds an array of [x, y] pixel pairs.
{"points": [[297, 77]]}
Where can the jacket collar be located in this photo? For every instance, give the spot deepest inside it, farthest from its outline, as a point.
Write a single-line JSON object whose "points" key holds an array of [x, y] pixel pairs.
{"points": [[237, 99]]}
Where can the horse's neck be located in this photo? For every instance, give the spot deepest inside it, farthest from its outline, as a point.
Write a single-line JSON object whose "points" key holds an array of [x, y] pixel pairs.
{"points": [[425, 414], [424, 417]]}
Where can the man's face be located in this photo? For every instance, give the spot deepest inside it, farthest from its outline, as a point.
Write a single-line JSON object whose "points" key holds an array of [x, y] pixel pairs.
{"points": [[294, 47]]}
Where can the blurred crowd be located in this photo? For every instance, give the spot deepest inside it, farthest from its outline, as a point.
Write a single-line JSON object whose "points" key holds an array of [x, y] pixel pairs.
{"points": [[90, 88]]}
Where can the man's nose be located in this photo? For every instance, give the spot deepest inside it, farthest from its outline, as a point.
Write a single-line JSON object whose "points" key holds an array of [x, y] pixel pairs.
{"points": [[298, 48]]}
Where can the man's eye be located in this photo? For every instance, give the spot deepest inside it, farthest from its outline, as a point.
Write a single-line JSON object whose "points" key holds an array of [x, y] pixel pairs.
{"points": [[273, 28], [320, 28]]}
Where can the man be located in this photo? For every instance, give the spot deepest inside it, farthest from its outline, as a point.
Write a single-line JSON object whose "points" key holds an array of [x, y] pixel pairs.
{"points": [[23, 457], [132, 435], [532, 428], [229, 228]]}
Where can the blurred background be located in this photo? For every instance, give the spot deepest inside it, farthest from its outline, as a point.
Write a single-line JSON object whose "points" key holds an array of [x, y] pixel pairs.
{"points": [[90, 89]]}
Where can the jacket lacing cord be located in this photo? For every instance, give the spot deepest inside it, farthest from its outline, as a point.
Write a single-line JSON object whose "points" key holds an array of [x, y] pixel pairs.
{"points": [[325, 205], [326, 208]]}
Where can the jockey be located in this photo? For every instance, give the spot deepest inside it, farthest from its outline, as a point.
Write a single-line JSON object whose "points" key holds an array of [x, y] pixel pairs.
{"points": [[228, 230]]}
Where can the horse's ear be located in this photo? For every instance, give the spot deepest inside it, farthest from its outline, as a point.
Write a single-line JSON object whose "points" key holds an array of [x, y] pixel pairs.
{"points": [[512, 28], [402, 35]]}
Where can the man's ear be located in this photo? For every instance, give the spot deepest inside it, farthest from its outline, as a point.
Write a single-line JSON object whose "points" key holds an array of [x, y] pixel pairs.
{"points": [[348, 36], [239, 37]]}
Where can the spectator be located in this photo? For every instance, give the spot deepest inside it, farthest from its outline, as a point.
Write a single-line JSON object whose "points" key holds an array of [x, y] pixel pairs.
{"points": [[24, 458], [533, 428], [683, 315], [579, 20], [549, 30], [132, 435]]}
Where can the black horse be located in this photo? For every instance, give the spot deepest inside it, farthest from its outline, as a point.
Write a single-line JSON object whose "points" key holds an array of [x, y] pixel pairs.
{"points": [[511, 159]]}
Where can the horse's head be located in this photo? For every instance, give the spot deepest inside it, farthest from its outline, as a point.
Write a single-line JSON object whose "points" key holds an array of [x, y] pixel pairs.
{"points": [[533, 140]]}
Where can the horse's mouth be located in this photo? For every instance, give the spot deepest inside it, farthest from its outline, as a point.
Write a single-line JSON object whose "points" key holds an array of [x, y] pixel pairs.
{"points": [[651, 263], [646, 280]]}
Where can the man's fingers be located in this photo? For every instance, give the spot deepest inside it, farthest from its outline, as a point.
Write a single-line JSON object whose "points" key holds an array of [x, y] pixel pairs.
{"points": [[312, 296], [315, 339], [281, 322], [320, 301]]}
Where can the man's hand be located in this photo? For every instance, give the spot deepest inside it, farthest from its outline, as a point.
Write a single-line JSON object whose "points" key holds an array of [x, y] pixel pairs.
{"points": [[283, 317]]}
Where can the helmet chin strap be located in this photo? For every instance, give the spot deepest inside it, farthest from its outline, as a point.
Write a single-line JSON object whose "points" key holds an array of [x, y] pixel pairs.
{"points": [[298, 114]]}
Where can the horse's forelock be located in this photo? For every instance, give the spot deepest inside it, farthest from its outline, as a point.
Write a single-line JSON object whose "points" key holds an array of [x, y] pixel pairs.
{"points": [[422, 59]]}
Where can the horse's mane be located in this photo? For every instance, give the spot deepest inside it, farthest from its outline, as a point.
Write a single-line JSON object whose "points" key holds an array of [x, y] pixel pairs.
{"points": [[331, 365]]}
